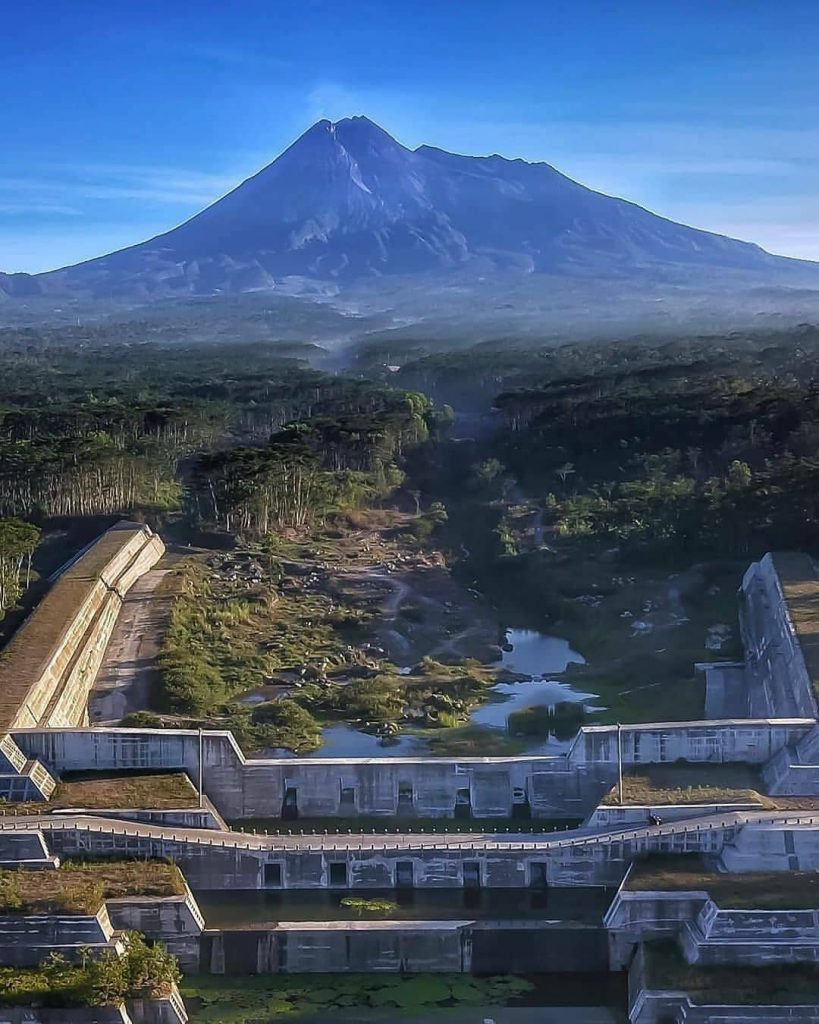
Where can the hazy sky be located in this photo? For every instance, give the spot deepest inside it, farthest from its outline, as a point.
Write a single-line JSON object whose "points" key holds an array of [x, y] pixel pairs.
{"points": [[121, 118]]}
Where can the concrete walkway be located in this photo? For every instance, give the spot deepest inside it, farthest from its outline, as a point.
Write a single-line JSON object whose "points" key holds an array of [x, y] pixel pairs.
{"points": [[484, 841], [124, 679]]}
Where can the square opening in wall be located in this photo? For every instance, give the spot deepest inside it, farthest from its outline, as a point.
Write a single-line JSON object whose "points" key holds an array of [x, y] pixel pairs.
{"points": [[273, 875], [338, 875]]}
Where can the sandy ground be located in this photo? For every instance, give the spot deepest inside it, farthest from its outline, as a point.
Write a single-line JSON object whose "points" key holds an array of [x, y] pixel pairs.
{"points": [[124, 679]]}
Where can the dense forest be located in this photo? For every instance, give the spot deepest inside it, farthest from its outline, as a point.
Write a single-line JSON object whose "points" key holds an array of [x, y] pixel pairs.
{"points": [[241, 437], [561, 472]]}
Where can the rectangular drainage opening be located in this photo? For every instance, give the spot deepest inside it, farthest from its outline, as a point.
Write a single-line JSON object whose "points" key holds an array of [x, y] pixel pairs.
{"points": [[290, 805], [472, 874], [404, 874], [338, 875], [273, 875]]}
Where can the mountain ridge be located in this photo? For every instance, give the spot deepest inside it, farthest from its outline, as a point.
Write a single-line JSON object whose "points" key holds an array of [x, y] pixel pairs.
{"points": [[346, 202]]}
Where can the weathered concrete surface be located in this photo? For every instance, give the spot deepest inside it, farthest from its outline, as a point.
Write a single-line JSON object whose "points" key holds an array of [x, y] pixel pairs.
{"points": [[726, 690], [56, 648], [608, 816], [123, 682], [215, 860], [480, 947], [780, 683], [708, 934], [174, 920], [567, 786], [47, 670], [27, 939]]}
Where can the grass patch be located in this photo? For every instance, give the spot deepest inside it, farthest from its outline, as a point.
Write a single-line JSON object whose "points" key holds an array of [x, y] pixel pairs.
{"points": [[257, 998], [688, 783], [102, 790], [752, 890], [81, 887], [475, 741], [783, 984]]}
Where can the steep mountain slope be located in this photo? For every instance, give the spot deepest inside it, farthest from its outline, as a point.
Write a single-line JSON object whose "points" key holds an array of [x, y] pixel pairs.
{"points": [[347, 202]]}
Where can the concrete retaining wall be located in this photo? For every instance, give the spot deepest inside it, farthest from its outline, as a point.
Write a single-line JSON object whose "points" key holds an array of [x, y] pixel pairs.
{"points": [[176, 921], [779, 683], [211, 861], [26, 939], [407, 946], [552, 787], [74, 622]]}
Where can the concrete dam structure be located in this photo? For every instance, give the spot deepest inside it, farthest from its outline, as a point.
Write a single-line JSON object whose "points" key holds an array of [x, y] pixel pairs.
{"points": [[563, 824], [48, 668]]}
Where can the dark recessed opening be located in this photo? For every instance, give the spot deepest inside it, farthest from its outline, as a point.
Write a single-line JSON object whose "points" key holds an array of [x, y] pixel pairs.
{"points": [[338, 875], [273, 875]]}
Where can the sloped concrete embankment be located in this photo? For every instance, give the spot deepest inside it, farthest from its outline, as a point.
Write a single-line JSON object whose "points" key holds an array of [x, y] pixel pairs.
{"points": [[49, 667]]}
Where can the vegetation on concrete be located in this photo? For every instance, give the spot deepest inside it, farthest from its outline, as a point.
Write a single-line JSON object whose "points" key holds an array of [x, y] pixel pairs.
{"points": [[689, 783], [250, 999], [158, 791], [776, 984], [142, 970], [81, 887], [371, 907], [751, 890]]}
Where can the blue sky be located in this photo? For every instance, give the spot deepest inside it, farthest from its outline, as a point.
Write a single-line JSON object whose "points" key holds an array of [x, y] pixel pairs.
{"points": [[120, 119]]}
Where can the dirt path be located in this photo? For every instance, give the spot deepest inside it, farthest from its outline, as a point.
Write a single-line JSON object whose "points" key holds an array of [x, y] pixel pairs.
{"points": [[124, 679]]}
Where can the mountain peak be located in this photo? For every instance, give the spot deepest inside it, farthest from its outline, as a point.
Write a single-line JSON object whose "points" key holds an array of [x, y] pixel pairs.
{"points": [[347, 201]]}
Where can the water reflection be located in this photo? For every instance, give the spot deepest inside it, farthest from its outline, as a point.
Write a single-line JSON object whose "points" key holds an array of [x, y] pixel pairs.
{"points": [[344, 741], [537, 654], [246, 909], [528, 653]]}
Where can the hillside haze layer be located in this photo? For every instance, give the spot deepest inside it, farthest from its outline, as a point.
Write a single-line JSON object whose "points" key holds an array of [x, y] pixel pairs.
{"points": [[347, 202]]}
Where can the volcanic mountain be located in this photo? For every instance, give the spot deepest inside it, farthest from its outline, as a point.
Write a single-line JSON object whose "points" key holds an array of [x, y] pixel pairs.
{"points": [[348, 202]]}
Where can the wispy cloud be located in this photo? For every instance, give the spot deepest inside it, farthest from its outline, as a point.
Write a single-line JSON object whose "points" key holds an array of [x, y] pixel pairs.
{"points": [[38, 209], [150, 184]]}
